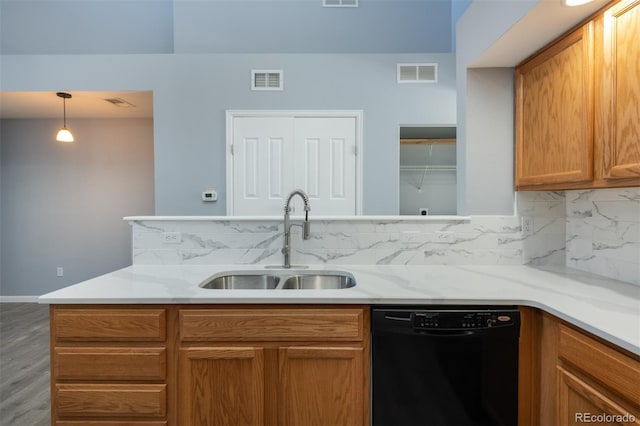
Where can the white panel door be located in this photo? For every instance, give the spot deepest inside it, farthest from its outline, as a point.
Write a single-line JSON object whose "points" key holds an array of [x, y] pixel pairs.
{"points": [[273, 155], [262, 157], [325, 163]]}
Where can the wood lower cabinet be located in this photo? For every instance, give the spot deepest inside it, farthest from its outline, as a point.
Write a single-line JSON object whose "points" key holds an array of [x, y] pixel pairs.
{"points": [[109, 366], [210, 365], [221, 386], [575, 378], [274, 365], [329, 381]]}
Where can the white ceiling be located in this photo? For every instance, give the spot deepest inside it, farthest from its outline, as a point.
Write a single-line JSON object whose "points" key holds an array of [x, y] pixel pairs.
{"points": [[81, 105], [547, 20]]}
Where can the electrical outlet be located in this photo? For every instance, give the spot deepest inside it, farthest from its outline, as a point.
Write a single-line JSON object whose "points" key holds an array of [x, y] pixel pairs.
{"points": [[423, 211], [59, 271], [172, 237], [527, 225]]}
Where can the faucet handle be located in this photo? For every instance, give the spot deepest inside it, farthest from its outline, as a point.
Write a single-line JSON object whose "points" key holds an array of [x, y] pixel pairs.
{"points": [[306, 230]]}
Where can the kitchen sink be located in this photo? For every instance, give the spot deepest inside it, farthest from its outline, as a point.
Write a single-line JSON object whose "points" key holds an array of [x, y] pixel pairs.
{"points": [[241, 281], [284, 280], [319, 281]]}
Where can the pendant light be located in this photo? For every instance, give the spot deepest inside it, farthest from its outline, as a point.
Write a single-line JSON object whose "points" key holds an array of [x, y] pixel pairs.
{"points": [[64, 135]]}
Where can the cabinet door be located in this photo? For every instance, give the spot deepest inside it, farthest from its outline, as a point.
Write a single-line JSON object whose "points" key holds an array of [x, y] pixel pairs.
{"points": [[322, 386], [620, 91], [581, 402], [554, 113], [221, 386]]}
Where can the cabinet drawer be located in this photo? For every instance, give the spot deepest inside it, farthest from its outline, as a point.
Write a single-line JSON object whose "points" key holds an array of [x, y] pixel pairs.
{"points": [[111, 400], [110, 363], [109, 324], [272, 324], [618, 372]]}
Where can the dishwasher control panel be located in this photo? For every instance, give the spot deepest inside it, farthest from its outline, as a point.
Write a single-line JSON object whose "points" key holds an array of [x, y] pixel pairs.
{"points": [[460, 320]]}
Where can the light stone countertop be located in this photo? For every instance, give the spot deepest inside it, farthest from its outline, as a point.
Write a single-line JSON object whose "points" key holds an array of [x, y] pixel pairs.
{"points": [[607, 308]]}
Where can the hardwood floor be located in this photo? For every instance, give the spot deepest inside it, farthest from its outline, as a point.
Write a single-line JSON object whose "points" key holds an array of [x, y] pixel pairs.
{"points": [[24, 364]]}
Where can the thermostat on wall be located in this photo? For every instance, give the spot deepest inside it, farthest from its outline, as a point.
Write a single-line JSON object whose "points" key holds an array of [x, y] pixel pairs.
{"points": [[210, 195]]}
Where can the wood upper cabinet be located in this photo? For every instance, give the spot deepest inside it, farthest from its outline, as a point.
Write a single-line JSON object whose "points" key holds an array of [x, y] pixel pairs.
{"points": [[554, 95], [578, 106], [618, 106]]}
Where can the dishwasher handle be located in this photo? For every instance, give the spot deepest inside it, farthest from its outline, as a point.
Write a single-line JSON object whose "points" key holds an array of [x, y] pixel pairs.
{"points": [[397, 317]]}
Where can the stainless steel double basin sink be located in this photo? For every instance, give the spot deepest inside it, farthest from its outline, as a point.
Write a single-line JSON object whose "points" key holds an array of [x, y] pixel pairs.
{"points": [[280, 280]]}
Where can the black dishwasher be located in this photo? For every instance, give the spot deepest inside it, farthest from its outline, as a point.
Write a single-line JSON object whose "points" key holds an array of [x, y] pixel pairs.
{"points": [[445, 365]]}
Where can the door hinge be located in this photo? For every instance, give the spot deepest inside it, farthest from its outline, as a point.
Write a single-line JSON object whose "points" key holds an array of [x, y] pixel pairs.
{"points": [[231, 149], [355, 150]]}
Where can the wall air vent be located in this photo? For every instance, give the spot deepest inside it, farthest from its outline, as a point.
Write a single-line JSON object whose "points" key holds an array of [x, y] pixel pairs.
{"points": [[417, 73], [339, 3], [120, 103], [266, 80]]}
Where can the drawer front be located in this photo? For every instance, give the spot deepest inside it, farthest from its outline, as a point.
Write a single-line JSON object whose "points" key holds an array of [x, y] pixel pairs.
{"points": [[272, 324], [615, 370], [110, 363], [87, 400], [109, 324]]}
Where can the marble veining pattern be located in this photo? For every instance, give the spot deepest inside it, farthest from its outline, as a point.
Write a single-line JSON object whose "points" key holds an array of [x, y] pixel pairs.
{"points": [[603, 232], [484, 240], [608, 308], [596, 231]]}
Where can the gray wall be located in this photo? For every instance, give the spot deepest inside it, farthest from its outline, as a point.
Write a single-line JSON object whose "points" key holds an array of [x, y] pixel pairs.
{"points": [[304, 26], [85, 27], [63, 204], [485, 110], [332, 59], [223, 26], [192, 92]]}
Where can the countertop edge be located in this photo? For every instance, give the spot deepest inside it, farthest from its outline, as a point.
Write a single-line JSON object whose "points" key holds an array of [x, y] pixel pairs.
{"points": [[595, 304]]}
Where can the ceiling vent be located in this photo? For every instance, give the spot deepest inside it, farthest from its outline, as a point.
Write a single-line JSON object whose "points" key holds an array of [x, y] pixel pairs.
{"points": [[417, 73], [266, 80], [340, 3], [120, 103]]}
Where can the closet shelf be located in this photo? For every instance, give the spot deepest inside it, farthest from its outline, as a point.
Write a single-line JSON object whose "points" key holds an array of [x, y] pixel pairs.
{"points": [[428, 168]]}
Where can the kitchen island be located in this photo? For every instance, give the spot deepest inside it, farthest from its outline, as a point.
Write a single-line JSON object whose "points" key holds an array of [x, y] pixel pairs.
{"points": [[606, 308], [146, 345]]}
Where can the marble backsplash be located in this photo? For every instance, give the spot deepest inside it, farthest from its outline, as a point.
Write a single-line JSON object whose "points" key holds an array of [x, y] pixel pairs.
{"points": [[603, 232], [478, 240], [597, 231]]}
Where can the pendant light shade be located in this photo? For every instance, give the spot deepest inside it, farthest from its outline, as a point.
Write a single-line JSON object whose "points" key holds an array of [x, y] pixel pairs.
{"points": [[64, 135]]}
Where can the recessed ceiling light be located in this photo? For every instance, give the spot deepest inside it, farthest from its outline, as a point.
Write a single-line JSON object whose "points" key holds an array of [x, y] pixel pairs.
{"points": [[572, 3]]}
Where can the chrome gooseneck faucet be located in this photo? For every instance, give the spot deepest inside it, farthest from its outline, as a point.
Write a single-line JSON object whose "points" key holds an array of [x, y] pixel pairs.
{"points": [[286, 249]]}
